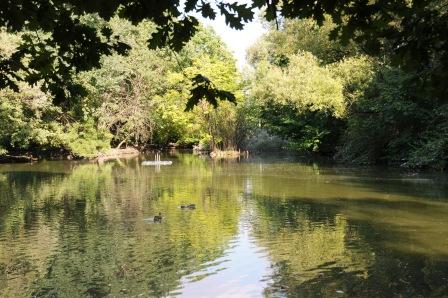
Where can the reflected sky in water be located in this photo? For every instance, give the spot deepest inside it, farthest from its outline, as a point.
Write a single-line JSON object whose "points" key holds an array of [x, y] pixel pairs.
{"points": [[243, 271], [273, 227]]}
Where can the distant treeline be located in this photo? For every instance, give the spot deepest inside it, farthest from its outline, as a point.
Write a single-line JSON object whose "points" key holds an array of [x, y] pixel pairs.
{"points": [[320, 95], [135, 100], [303, 91]]}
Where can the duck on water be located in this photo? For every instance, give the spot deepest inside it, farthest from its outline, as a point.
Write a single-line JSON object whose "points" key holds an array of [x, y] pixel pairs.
{"points": [[190, 206], [159, 217], [156, 218]]}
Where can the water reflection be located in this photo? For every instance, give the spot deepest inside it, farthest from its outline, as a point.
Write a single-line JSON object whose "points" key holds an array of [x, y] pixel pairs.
{"points": [[243, 271], [261, 228]]}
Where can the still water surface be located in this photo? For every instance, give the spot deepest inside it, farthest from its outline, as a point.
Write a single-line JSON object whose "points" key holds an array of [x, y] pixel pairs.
{"points": [[261, 227]]}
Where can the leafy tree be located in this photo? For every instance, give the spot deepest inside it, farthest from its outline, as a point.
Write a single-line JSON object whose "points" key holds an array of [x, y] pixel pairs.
{"points": [[296, 35], [137, 99], [380, 113], [59, 42], [60, 39], [141, 98], [301, 102], [28, 120], [390, 124], [209, 58], [123, 92], [303, 83], [304, 130], [356, 75]]}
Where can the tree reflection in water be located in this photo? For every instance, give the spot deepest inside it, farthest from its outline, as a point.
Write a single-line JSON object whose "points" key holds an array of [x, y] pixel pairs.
{"points": [[71, 229]]}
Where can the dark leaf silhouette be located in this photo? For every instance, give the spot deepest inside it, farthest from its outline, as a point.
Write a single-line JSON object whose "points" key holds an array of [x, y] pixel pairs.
{"points": [[207, 11], [203, 88], [413, 32]]}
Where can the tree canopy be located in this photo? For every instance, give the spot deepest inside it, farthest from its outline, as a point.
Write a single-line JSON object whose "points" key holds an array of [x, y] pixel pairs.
{"points": [[322, 96], [59, 39], [138, 99]]}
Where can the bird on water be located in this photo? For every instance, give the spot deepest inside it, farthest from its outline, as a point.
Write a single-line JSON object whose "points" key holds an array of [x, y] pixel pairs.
{"points": [[158, 218], [191, 206]]}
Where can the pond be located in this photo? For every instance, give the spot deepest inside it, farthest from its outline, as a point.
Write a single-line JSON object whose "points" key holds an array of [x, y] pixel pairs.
{"points": [[273, 227]]}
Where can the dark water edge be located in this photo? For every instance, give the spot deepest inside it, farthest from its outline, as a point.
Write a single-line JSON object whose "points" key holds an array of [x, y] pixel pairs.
{"points": [[263, 226]]}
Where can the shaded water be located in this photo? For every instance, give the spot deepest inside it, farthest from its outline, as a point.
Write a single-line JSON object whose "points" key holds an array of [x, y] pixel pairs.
{"points": [[262, 227]]}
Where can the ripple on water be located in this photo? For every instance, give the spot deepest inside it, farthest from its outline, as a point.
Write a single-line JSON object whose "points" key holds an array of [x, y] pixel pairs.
{"points": [[239, 272], [259, 229]]}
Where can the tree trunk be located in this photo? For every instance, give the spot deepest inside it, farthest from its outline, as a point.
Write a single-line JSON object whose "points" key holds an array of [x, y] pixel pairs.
{"points": [[121, 143]]}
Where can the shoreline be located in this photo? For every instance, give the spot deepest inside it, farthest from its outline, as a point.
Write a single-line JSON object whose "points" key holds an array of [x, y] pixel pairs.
{"points": [[30, 156], [130, 152], [127, 152]]}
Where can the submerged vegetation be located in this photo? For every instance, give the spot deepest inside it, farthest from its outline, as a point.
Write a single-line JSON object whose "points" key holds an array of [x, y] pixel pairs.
{"points": [[314, 84]]}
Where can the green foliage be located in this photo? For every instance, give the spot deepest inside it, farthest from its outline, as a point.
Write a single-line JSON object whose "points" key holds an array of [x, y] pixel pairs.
{"points": [[64, 38], [304, 130], [216, 126], [123, 93], [85, 140], [204, 89], [356, 74], [373, 122], [300, 35], [321, 96], [303, 83], [141, 98], [302, 102], [316, 93], [390, 124], [28, 120], [138, 99]]}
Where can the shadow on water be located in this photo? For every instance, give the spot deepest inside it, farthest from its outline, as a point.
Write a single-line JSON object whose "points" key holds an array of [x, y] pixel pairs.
{"points": [[325, 249], [275, 228]]}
